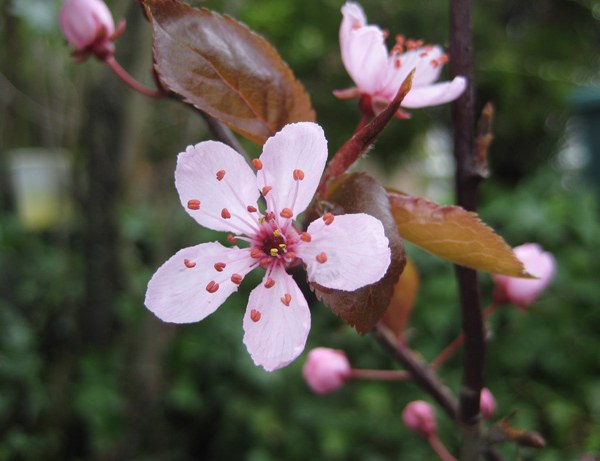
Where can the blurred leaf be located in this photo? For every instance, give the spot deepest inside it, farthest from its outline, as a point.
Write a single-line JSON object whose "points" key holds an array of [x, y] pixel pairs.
{"points": [[362, 309], [225, 69], [405, 291], [455, 234]]}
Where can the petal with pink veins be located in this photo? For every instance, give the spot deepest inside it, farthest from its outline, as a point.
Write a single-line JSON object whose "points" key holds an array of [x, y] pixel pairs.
{"points": [[297, 147], [274, 332], [216, 186], [432, 95], [347, 254], [178, 292]]}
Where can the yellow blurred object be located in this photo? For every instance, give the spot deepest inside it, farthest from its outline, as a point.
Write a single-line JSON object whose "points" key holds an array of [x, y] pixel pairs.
{"points": [[398, 312]]}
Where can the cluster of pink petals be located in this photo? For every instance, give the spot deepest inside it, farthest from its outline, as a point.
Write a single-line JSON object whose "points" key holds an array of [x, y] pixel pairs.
{"points": [[419, 416], [326, 370], [220, 191], [88, 25], [523, 292], [379, 74]]}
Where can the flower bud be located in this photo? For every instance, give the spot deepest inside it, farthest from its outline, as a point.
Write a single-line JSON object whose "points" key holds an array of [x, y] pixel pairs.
{"points": [[523, 292], [487, 403], [88, 26], [419, 416], [326, 370]]}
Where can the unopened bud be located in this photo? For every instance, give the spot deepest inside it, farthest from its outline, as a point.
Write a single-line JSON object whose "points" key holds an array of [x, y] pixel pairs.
{"points": [[523, 292], [326, 370], [487, 403], [419, 416]]}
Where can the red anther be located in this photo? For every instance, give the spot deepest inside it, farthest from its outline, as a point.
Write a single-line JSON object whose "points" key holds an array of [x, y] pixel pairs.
{"points": [[397, 63], [219, 267], [236, 278], [220, 174], [298, 175], [193, 204], [328, 218], [189, 264], [264, 262], [256, 253], [444, 59], [286, 213], [322, 258], [286, 299], [212, 286], [305, 237], [225, 214], [435, 63], [270, 216], [269, 282], [255, 315], [251, 209], [386, 33], [423, 54], [256, 163], [266, 190], [231, 239], [400, 39], [290, 255]]}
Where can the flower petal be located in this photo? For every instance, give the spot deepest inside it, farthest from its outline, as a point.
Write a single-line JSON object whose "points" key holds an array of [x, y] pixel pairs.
{"points": [[365, 58], [355, 248], [178, 293], [297, 147], [433, 95], [275, 333], [353, 18], [216, 186]]}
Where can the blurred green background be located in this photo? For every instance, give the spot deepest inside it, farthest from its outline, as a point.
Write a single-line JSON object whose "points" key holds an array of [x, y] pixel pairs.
{"points": [[88, 211]]}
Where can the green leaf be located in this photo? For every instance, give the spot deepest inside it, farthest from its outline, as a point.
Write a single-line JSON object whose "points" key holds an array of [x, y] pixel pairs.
{"points": [[455, 234], [362, 309], [223, 68]]}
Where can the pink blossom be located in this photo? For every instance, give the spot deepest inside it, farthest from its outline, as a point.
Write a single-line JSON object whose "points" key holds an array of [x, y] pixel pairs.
{"points": [[326, 370], [487, 403], [523, 292], [88, 25], [379, 74], [220, 191], [419, 416]]}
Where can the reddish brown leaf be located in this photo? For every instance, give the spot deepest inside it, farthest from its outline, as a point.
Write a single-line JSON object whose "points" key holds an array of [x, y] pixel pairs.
{"points": [[455, 234], [223, 68], [405, 291], [362, 309]]}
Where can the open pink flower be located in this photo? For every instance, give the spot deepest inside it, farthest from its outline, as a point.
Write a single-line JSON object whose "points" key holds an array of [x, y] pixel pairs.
{"points": [[379, 74], [523, 292], [220, 191], [326, 370], [88, 25]]}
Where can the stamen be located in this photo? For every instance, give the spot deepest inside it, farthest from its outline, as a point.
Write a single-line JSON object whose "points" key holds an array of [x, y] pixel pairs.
{"points": [[274, 252], [444, 59], [212, 286], [189, 264], [397, 63], [328, 218], [251, 209], [282, 246], [277, 233], [266, 190], [305, 237], [321, 258], [298, 175], [270, 216], [193, 204], [256, 253], [286, 299], [269, 282], [435, 63], [231, 239], [286, 213], [386, 33], [219, 267], [220, 175], [264, 262], [290, 255], [236, 278], [256, 163], [255, 315], [225, 214], [423, 54]]}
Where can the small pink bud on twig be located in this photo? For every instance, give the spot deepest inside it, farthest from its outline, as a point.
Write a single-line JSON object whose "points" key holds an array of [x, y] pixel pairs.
{"points": [[326, 370], [419, 417], [487, 403]]}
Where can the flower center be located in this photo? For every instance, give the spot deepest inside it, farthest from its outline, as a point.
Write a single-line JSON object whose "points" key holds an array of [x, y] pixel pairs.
{"points": [[274, 244]]}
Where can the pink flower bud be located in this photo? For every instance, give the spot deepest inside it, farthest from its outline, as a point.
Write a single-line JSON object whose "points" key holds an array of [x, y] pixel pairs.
{"points": [[419, 416], [88, 25], [326, 370], [487, 403], [523, 292]]}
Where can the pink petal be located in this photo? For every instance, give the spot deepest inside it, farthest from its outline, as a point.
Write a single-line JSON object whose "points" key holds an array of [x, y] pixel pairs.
{"points": [[81, 20], [353, 18], [356, 250], [433, 95], [177, 291], [275, 334], [297, 147], [365, 58], [196, 179]]}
